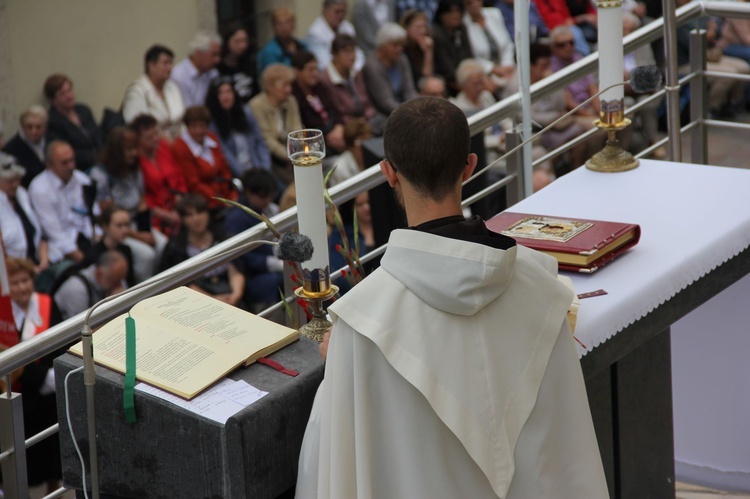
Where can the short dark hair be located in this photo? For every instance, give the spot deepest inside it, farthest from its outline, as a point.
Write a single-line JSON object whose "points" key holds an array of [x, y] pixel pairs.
{"points": [[154, 52], [342, 42], [412, 15], [446, 6], [143, 122], [539, 51], [330, 3], [53, 83], [105, 217], [427, 140], [301, 59], [259, 182], [196, 113], [192, 201]]}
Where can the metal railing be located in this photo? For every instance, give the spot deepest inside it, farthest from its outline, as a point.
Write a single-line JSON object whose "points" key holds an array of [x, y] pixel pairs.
{"points": [[68, 331]]}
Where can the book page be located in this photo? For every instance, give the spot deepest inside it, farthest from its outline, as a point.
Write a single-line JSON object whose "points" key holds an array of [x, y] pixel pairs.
{"points": [[220, 325], [185, 340], [164, 357]]}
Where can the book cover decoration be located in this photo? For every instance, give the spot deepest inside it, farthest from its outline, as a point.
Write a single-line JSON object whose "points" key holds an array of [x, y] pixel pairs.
{"points": [[579, 245]]}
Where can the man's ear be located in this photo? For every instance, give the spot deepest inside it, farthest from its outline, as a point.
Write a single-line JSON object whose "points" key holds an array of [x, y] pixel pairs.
{"points": [[471, 164], [389, 173]]}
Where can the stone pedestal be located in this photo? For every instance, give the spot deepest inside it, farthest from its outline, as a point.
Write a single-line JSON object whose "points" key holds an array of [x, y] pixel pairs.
{"points": [[170, 452]]}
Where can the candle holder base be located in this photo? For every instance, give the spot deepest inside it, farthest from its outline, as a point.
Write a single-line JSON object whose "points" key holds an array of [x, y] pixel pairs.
{"points": [[319, 324], [612, 158]]}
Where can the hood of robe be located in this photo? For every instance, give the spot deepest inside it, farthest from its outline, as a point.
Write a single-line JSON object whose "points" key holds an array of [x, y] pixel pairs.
{"points": [[449, 275]]}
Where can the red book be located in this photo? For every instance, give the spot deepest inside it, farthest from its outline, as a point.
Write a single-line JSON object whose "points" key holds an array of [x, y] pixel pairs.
{"points": [[579, 245]]}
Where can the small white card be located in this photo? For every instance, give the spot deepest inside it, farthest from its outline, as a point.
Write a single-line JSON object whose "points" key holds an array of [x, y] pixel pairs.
{"points": [[223, 400]]}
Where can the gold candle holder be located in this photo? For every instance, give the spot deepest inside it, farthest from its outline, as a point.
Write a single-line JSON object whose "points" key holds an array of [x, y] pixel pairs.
{"points": [[612, 158]]}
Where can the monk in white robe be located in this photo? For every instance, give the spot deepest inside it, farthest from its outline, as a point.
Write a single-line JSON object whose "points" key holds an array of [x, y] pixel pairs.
{"points": [[451, 370]]}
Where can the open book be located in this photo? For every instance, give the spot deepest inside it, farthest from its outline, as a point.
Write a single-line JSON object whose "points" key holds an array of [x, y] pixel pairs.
{"points": [[186, 341]]}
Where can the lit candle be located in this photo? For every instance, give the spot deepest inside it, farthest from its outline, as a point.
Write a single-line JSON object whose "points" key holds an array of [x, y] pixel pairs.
{"points": [[306, 149], [611, 66]]}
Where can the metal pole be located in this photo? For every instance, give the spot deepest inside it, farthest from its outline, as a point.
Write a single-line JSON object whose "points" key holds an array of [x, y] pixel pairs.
{"points": [[15, 483], [698, 98], [673, 89], [521, 12], [514, 166], [89, 380]]}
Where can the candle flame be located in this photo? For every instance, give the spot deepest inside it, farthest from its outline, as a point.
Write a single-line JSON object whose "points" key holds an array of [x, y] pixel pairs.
{"points": [[307, 149]]}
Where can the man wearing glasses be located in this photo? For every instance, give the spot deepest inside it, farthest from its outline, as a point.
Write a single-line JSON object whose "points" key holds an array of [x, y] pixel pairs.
{"points": [[451, 370]]}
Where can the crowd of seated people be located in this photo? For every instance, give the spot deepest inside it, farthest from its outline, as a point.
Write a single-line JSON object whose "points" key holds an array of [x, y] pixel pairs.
{"points": [[72, 190], [86, 211]]}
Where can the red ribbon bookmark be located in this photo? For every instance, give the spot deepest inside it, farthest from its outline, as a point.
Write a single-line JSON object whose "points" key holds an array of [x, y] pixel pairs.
{"points": [[277, 366]]}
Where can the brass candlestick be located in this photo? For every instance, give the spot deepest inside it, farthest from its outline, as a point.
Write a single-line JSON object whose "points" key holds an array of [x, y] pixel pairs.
{"points": [[612, 158], [316, 289]]}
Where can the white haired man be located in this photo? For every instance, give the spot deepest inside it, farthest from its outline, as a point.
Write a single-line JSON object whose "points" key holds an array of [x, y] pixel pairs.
{"points": [[194, 74]]}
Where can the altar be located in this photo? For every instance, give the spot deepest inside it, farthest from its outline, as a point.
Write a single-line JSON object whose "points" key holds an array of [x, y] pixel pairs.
{"points": [[695, 238]]}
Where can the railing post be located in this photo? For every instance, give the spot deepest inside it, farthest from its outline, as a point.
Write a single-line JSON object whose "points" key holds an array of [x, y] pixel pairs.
{"points": [[12, 439], [698, 98], [514, 166], [672, 81]]}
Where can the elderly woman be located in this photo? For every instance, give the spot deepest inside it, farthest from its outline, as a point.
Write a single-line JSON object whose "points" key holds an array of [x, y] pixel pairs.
{"points": [[419, 45], [278, 114], [119, 181], [474, 96], [490, 42], [155, 94], [28, 145], [387, 72], [21, 232], [33, 313], [199, 155], [316, 105], [71, 122]]}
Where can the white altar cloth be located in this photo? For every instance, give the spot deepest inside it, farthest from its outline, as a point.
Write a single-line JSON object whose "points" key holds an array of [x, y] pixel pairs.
{"points": [[692, 217], [710, 392]]}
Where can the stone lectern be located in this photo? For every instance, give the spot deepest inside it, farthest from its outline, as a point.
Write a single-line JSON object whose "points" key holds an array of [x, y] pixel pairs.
{"points": [[170, 452]]}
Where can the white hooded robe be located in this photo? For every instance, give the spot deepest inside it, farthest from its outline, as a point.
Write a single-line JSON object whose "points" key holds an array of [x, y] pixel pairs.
{"points": [[452, 373]]}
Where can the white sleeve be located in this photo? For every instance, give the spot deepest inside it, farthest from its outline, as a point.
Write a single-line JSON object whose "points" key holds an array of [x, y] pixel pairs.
{"points": [[48, 214], [134, 103]]}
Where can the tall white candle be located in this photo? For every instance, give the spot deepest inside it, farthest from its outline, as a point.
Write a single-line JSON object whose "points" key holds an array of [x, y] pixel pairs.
{"points": [[311, 212], [611, 66]]}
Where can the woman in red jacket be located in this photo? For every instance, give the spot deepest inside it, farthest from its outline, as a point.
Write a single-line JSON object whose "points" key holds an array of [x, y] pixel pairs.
{"points": [[198, 154], [163, 179]]}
